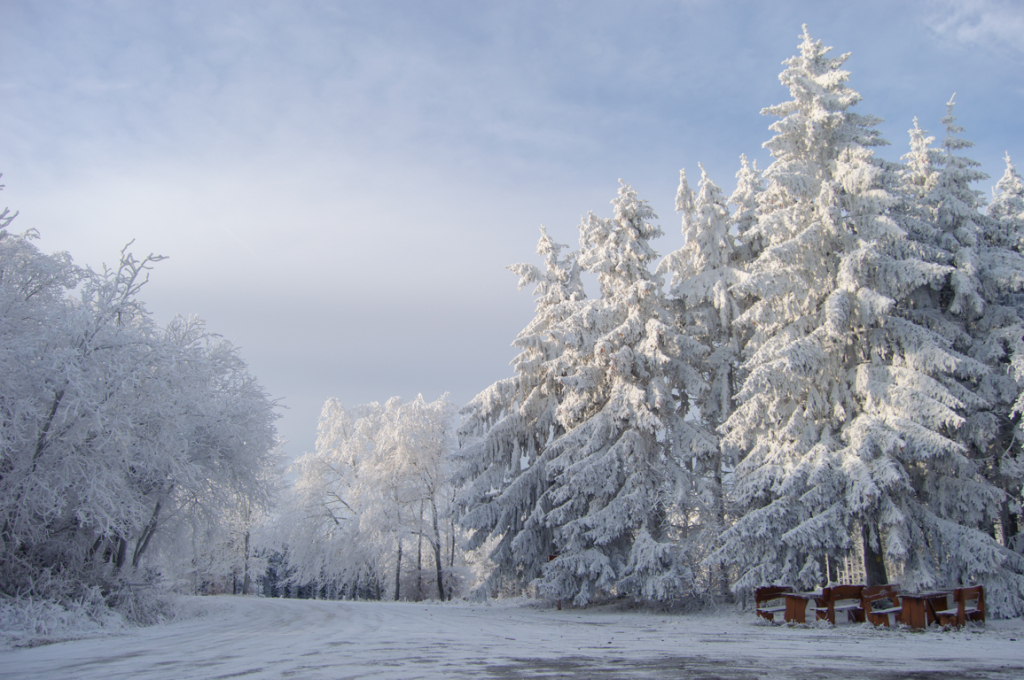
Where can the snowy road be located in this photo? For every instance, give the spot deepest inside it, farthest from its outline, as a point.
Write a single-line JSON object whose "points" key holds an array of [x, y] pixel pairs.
{"points": [[260, 638]]}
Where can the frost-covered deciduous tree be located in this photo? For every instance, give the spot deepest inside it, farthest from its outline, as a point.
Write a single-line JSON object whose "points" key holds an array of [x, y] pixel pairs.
{"points": [[422, 437], [506, 429], [615, 474], [377, 485], [112, 430]]}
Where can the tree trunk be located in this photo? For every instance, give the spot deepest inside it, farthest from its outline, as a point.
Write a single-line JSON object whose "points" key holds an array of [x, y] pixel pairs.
{"points": [[874, 564], [451, 555], [7, 533], [147, 533], [245, 566], [719, 500], [398, 572], [437, 552], [41, 439], [419, 558], [1009, 524], [451, 561], [833, 569], [122, 551]]}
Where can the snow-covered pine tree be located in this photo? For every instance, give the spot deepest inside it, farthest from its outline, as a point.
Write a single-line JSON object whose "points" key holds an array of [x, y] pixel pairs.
{"points": [[702, 273], [749, 185], [507, 427], [1007, 208], [615, 477], [793, 399], [975, 310], [917, 181], [844, 403], [1007, 231]]}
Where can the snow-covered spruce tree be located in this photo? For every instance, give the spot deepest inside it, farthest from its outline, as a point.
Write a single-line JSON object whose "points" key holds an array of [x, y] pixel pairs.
{"points": [[979, 311], [507, 427], [615, 478], [848, 403], [745, 217], [976, 310], [1007, 231], [1007, 207], [702, 273]]}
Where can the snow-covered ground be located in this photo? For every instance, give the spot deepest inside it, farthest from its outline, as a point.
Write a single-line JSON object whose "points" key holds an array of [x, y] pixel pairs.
{"points": [[230, 637]]}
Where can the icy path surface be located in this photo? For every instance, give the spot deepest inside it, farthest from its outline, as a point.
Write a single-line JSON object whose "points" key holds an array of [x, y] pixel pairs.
{"points": [[264, 638]]}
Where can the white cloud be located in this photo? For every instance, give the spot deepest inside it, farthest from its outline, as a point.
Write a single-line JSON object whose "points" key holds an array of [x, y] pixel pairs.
{"points": [[989, 24]]}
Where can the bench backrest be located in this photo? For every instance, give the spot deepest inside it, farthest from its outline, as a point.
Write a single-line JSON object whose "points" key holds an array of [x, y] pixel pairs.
{"points": [[889, 591], [836, 593], [962, 596]]}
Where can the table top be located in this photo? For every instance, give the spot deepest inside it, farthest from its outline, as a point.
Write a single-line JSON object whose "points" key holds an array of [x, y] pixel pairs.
{"points": [[930, 593]]}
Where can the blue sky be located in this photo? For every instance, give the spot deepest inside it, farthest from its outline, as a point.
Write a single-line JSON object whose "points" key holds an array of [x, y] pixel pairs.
{"points": [[339, 185]]}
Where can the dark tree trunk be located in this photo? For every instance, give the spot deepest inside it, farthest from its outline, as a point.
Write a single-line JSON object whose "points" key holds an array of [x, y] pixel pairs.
{"points": [[451, 555], [1009, 524], [122, 552], [833, 569], [719, 491], [147, 533], [874, 564], [451, 562], [437, 553], [398, 572], [245, 566], [419, 558]]}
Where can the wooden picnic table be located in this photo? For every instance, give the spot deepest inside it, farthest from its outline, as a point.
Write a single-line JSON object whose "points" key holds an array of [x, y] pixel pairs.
{"points": [[796, 606], [919, 608]]}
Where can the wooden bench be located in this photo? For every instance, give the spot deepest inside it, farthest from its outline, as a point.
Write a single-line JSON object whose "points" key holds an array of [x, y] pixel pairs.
{"points": [[970, 606], [880, 601], [770, 600], [840, 599]]}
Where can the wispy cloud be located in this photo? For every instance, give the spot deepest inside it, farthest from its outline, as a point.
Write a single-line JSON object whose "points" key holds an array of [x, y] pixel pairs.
{"points": [[988, 24]]}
